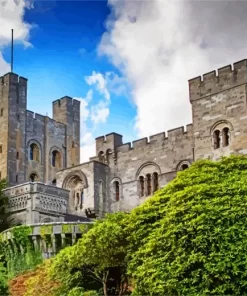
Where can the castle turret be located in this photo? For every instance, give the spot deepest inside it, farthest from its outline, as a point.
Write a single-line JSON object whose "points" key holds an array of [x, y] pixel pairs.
{"points": [[67, 111], [13, 102]]}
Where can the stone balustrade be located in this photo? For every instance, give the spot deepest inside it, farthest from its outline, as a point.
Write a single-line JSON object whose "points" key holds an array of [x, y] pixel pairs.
{"points": [[47, 237]]}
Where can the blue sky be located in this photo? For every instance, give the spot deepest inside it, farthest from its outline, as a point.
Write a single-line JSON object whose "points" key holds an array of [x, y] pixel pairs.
{"points": [[128, 62], [64, 39]]}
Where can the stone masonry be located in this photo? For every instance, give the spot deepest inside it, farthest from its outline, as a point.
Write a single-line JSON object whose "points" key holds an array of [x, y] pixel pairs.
{"points": [[121, 175]]}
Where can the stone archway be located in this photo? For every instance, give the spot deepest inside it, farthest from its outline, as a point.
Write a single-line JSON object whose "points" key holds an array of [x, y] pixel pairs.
{"points": [[76, 182]]}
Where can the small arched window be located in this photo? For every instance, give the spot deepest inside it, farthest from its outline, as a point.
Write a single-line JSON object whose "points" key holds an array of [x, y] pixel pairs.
{"points": [[56, 159], [34, 177], [117, 190], [156, 181], [184, 167], [216, 139], [149, 184], [54, 182], [225, 136], [101, 156], [142, 186], [34, 152]]}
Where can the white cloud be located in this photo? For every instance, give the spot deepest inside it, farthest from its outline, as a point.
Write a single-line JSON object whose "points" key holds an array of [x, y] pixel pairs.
{"points": [[11, 17], [100, 82], [93, 113], [158, 45], [99, 113]]}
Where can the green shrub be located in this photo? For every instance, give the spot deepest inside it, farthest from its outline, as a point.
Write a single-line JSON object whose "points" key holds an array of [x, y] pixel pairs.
{"points": [[191, 237]]}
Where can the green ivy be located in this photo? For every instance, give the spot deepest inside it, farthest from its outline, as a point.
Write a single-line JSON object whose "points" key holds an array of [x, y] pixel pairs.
{"points": [[66, 228], [46, 230]]}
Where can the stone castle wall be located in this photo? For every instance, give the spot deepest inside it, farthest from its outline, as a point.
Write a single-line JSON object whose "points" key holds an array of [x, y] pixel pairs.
{"points": [[20, 128]]}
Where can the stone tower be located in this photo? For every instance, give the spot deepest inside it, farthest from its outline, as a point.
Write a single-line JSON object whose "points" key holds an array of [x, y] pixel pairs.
{"points": [[67, 111], [13, 102], [219, 108]]}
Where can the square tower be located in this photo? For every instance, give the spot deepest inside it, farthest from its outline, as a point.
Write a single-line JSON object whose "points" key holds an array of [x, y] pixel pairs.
{"points": [[67, 110], [13, 101], [219, 108]]}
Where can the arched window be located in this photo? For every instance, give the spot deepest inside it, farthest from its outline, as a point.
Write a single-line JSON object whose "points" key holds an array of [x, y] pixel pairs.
{"points": [[54, 182], [34, 152], [142, 186], [216, 139], [225, 136], [156, 181], [101, 156], [56, 159], [184, 167], [149, 184], [34, 177], [117, 191]]}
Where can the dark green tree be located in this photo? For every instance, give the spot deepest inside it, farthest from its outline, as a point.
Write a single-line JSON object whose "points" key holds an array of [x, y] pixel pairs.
{"points": [[191, 237]]}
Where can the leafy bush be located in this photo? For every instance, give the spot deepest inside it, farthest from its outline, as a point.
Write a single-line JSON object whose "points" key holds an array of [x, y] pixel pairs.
{"points": [[98, 260], [191, 237]]}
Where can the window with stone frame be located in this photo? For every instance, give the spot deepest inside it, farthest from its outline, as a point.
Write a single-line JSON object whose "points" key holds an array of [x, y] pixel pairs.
{"points": [[34, 152], [149, 184], [142, 186], [117, 190], [225, 136], [56, 159], [217, 139], [155, 182], [34, 177]]}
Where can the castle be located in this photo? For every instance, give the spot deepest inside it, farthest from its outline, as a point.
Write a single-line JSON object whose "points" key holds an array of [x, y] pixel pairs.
{"points": [[40, 156]]}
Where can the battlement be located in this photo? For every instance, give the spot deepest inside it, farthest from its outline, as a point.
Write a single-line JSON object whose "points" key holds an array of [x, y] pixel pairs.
{"points": [[66, 100], [31, 116], [212, 82], [173, 135], [13, 78]]}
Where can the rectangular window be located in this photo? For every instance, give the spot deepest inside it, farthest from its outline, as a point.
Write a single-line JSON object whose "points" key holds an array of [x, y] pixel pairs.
{"points": [[16, 178], [1, 149], [17, 155], [1, 112], [0, 175]]}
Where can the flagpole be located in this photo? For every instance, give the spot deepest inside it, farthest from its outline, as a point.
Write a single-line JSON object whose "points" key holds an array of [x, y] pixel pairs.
{"points": [[12, 49]]}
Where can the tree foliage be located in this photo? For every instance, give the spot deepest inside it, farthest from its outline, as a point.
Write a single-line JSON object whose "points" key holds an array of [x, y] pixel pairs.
{"points": [[191, 237], [97, 260]]}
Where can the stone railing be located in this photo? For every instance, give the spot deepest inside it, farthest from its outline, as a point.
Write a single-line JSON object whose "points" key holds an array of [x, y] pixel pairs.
{"points": [[48, 237]]}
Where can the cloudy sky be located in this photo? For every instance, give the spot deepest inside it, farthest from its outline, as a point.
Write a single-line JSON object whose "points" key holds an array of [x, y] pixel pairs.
{"points": [[127, 61]]}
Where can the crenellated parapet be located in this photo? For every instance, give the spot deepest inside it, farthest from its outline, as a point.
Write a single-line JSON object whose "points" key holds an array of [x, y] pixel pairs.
{"points": [[172, 136], [214, 82], [9, 78]]}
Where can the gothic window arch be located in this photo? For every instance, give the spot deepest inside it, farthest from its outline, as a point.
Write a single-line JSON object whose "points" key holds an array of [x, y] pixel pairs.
{"points": [[34, 152]]}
